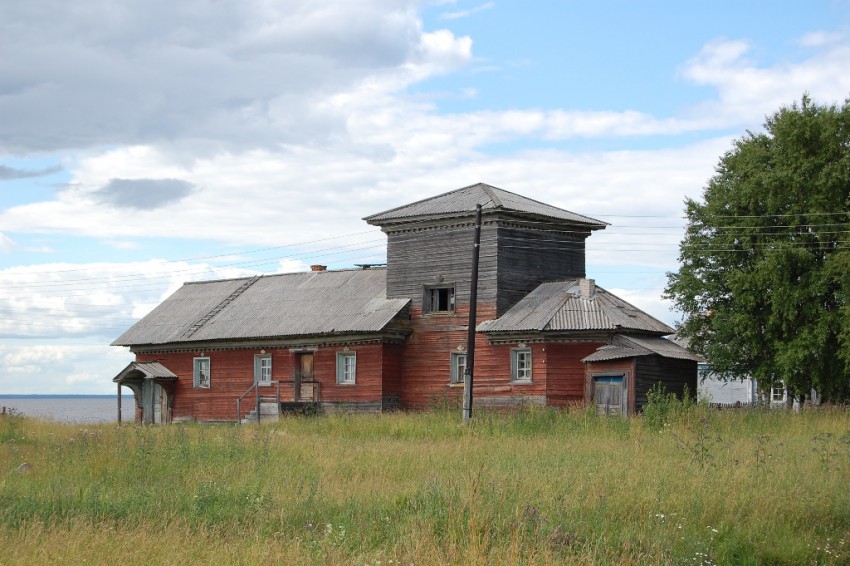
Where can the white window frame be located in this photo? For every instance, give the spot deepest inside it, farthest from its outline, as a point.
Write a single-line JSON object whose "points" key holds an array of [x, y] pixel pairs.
{"points": [[777, 393], [521, 365], [198, 365], [346, 368], [430, 299], [458, 367], [263, 371]]}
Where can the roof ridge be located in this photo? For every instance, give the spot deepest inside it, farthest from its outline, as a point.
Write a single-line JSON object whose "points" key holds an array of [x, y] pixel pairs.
{"points": [[623, 337], [399, 207], [489, 190]]}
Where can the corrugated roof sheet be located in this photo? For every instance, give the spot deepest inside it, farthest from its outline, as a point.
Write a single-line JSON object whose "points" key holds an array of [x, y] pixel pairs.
{"points": [[287, 305], [466, 199], [632, 346], [559, 306], [664, 347], [150, 370]]}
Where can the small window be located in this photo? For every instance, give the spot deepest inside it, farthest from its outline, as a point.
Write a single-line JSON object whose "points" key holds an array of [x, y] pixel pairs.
{"points": [[346, 368], [521, 364], [458, 366], [439, 299], [263, 369], [202, 373], [777, 394]]}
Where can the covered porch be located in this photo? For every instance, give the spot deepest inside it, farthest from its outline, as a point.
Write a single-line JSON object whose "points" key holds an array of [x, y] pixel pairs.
{"points": [[153, 388]]}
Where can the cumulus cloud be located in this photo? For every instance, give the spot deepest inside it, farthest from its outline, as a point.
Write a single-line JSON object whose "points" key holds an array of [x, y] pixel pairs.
{"points": [[143, 194], [98, 300], [49, 368], [746, 90], [11, 173], [214, 74]]}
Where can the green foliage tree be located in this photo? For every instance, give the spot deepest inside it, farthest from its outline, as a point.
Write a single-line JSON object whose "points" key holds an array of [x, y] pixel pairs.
{"points": [[765, 261]]}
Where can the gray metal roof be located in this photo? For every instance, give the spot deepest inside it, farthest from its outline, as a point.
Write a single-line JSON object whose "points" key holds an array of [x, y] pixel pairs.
{"points": [[633, 346], [272, 306], [149, 370], [560, 307], [466, 199]]}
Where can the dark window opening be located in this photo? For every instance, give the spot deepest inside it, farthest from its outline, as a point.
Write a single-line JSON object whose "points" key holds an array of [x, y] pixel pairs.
{"points": [[439, 299]]}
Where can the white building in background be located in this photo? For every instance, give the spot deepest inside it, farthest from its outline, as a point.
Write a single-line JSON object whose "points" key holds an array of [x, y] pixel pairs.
{"points": [[743, 392], [727, 393]]}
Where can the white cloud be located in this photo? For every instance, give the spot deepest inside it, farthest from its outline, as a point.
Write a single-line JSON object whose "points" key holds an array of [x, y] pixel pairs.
{"points": [[51, 368], [76, 378], [92, 300], [458, 14], [746, 91], [215, 74], [6, 244], [648, 300], [820, 38]]}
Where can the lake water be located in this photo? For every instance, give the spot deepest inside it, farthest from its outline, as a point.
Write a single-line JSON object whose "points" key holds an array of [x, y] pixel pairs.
{"points": [[71, 408]]}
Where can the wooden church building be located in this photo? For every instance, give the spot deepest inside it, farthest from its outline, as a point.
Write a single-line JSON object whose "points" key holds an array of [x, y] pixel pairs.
{"points": [[394, 337]]}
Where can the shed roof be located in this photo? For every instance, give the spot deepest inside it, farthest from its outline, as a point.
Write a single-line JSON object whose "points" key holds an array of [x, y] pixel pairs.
{"points": [[271, 306], [623, 346], [561, 307], [466, 199]]}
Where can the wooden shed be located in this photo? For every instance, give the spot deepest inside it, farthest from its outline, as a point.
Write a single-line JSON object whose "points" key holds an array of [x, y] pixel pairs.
{"points": [[619, 375]]}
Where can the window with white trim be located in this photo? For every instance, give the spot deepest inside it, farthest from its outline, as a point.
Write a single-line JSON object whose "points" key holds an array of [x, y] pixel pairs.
{"points": [[777, 394], [439, 299], [458, 367], [521, 364], [263, 369], [201, 373], [346, 368]]}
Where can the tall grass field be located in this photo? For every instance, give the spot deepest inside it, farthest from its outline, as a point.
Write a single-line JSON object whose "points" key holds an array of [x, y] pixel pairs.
{"points": [[686, 486]]}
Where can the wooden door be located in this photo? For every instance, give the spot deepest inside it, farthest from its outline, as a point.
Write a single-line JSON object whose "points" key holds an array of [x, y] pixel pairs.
{"points": [[304, 373], [306, 367], [609, 395]]}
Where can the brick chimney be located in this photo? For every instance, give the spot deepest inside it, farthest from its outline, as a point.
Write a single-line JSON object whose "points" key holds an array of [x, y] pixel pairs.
{"points": [[587, 288], [318, 268]]}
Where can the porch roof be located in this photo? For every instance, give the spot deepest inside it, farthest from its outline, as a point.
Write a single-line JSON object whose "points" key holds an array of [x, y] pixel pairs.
{"points": [[148, 370]]}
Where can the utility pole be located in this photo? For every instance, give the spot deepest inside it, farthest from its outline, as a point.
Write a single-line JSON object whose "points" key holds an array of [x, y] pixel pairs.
{"points": [[473, 307]]}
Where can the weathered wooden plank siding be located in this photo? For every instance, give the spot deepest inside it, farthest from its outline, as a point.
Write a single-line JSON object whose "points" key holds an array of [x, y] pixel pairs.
{"points": [[440, 257], [392, 375], [231, 374], [494, 387], [675, 375], [367, 388], [427, 363], [625, 366], [426, 368], [565, 379], [528, 257]]}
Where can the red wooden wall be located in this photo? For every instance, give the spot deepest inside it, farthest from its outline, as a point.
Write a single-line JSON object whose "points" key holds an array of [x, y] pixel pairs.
{"points": [[232, 374], [565, 379]]}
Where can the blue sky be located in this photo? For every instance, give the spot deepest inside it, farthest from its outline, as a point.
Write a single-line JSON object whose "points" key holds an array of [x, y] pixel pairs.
{"points": [[148, 143]]}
